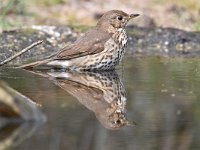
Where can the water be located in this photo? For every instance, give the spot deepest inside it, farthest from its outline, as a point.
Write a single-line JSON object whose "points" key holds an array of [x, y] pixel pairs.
{"points": [[155, 105]]}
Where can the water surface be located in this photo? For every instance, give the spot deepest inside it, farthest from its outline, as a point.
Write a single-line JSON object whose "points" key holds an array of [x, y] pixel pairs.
{"points": [[155, 105]]}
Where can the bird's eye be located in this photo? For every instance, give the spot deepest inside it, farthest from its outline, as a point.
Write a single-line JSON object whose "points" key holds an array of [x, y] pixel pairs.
{"points": [[119, 17], [118, 121]]}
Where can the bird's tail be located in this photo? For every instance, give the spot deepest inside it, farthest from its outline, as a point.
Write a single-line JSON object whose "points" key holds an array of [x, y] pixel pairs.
{"points": [[34, 64]]}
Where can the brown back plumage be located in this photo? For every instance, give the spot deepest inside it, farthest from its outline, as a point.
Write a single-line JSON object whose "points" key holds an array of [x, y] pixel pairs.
{"points": [[91, 42]]}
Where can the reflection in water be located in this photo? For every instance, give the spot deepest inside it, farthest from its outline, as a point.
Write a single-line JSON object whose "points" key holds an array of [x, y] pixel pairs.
{"points": [[164, 100], [101, 92], [12, 134]]}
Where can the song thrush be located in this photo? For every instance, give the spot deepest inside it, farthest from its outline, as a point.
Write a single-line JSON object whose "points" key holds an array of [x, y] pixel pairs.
{"points": [[100, 48]]}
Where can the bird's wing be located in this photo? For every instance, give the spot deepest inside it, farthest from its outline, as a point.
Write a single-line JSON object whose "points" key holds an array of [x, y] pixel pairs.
{"points": [[91, 42]]}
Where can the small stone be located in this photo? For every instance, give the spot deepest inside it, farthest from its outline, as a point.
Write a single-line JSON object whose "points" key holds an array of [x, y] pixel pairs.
{"points": [[164, 90], [166, 50], [166, 43], [173, 95]]}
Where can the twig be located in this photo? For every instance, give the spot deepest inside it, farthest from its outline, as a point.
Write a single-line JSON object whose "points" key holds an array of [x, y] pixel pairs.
{"points": [[20, 53]]}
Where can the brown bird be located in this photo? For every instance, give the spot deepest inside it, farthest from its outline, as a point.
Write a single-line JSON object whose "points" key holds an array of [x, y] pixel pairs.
{"points": [[100, 48]]}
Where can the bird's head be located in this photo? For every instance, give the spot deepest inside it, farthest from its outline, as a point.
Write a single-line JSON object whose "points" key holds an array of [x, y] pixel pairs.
{"points": [[115, 19]]}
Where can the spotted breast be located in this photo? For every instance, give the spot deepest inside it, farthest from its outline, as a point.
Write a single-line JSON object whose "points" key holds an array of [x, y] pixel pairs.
{"points": [[111, 55]]}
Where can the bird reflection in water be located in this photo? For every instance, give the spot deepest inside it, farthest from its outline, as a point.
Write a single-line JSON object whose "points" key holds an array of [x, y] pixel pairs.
{"points": [[101, 92]]}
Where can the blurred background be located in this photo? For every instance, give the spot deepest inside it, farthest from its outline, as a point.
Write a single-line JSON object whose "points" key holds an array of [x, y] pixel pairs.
{"points": [[182, 14], [162, 94]]}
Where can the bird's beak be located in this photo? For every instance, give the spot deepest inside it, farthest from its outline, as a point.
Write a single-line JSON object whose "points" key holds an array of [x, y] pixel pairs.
{"points": [[131, 16]]}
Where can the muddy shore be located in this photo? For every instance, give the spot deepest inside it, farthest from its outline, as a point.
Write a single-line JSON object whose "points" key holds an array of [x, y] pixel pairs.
{"points": [[164, 42]]}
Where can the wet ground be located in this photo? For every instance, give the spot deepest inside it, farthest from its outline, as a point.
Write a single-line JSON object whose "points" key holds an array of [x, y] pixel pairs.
{"points": [[149, 103], [164, 42]]}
